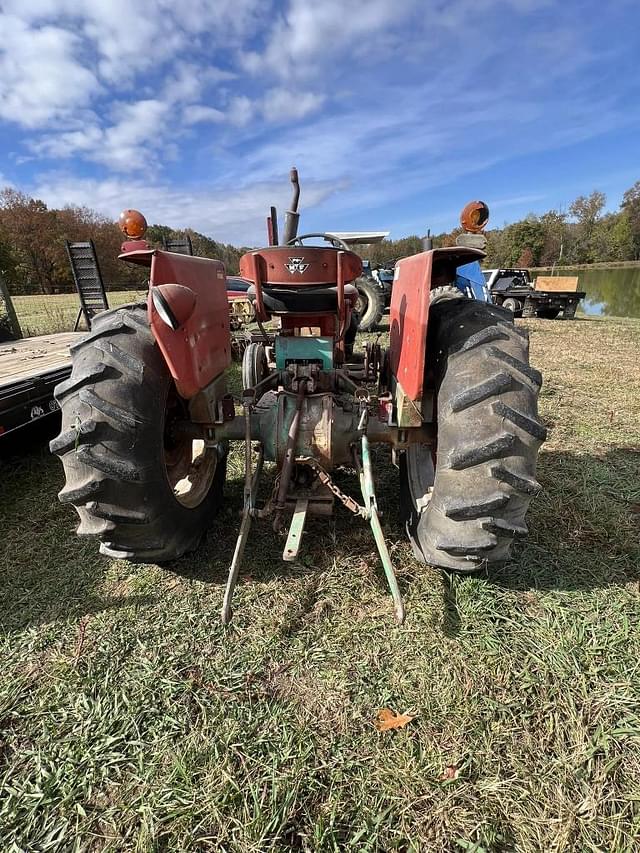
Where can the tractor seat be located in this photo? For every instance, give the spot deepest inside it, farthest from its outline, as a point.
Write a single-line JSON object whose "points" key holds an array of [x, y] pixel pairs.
{"points": [[322, 299]]}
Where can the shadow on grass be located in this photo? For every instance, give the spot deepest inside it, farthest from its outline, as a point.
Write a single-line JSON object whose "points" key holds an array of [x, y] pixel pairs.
{"points": [[583, 526], [46, 572], [583, 535]]}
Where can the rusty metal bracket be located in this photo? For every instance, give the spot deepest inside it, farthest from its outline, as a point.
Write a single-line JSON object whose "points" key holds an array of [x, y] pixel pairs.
{"points": [[351, 504]]}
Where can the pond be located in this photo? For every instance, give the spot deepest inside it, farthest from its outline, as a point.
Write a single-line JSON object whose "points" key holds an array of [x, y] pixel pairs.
{"points": [[611, 292]]}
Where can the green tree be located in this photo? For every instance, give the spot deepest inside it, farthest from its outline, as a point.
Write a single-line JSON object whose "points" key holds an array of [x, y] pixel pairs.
{"points": [[157, 234], [631, 209], [526, 235], [554, 229], [586, 211]]}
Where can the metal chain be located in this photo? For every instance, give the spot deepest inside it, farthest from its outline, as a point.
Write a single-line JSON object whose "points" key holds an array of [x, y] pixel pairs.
{"points": [[351, 504]]}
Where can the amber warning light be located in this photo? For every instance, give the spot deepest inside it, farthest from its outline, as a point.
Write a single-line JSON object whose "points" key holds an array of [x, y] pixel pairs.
{"points": [[474, 217], [132, 224]]}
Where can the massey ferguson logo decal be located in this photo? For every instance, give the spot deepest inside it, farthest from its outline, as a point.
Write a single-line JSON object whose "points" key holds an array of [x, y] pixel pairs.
{"points": [[296, 265]]}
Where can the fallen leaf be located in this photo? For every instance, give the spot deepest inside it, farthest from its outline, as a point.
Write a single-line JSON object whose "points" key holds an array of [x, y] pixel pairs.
{"points": [[388, 720], [635, 508], [450, 772]]}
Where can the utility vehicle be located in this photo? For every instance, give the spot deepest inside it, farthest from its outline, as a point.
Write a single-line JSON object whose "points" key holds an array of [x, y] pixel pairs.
{"points": [[147, 416]]}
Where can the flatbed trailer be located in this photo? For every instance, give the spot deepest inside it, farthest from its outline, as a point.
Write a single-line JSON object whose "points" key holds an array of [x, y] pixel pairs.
{"points": [[30, 369], [547, 297], [550, 304]]}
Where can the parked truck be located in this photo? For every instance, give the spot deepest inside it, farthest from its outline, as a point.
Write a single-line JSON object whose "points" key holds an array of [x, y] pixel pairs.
{"points": [[546, 297]]}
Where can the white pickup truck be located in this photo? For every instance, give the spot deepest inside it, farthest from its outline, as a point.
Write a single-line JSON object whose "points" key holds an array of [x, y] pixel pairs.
{"points": [[546, 297]]}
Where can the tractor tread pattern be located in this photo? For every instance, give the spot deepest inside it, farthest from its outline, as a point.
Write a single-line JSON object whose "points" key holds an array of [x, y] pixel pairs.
{"points": [[70, 439], [491, 333], [82, 378], [106, 323], [79, 495], [502, 527], [476, 454], [119, 469], [521, 366], [112, 444], [374, 309], [489, 435], [124, 516], [530, 425], [461, 510], [117, 414], [478, 393], [523, 485], [480, 546], [122, 359]]}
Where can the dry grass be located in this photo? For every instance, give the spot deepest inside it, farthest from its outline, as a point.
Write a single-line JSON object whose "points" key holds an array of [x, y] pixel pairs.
{"points": [[43, 315], [130, 720]]}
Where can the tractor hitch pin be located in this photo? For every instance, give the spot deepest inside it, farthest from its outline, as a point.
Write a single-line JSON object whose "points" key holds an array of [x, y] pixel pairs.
{"points": [[251, 480], [369, 495]]}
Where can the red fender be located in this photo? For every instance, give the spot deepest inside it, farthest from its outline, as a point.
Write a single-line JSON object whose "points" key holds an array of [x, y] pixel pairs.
{"points": [[409, 311], [199, 350]]}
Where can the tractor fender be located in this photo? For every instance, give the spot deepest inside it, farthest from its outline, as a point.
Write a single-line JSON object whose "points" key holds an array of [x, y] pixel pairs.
{"points": [[197, 346], [409, 318]]}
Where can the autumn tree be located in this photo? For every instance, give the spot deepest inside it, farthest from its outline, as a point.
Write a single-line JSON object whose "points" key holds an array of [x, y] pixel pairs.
{"points": [[30, 227]]}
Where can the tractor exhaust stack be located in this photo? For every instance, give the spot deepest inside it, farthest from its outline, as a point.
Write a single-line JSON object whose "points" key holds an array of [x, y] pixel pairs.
{"points": [[292, 216]]}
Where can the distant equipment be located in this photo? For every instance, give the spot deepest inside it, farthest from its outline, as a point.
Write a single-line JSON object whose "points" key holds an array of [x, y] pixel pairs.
{"points": [[178, 245], [547, 297], [88, 281]]}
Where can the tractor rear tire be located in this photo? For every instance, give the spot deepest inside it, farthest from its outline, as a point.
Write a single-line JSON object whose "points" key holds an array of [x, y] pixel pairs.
{"points": [[136, 480], [466, 514], [370, 304]]}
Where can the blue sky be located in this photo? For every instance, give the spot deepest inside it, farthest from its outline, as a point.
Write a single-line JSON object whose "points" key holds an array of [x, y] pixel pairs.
{"points": [[396, 112]]}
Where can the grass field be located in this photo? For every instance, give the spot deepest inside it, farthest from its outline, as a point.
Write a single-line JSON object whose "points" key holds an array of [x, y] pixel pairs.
{"points": [[43, 315], [131, 721]]}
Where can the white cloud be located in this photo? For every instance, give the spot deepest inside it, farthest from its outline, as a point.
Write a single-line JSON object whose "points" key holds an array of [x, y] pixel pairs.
{"points": [[70, 143], [240, 111], [384, 99], [198, 114], [57, 55], [40, 81], [132, 138], [225, 212], [128, 38], [281, 104], [130, 143], [307, 32]]}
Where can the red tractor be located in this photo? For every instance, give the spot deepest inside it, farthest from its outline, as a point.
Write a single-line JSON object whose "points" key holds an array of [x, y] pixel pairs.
{"points": [[147, 417]]}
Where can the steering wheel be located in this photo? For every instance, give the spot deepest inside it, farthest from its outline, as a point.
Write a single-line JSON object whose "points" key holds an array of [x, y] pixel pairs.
{"points": [[336, 242]]}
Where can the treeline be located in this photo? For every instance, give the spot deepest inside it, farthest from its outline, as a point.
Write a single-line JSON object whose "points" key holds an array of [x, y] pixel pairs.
{"points": [[33, 256], [582, 235], [203, 246]]}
